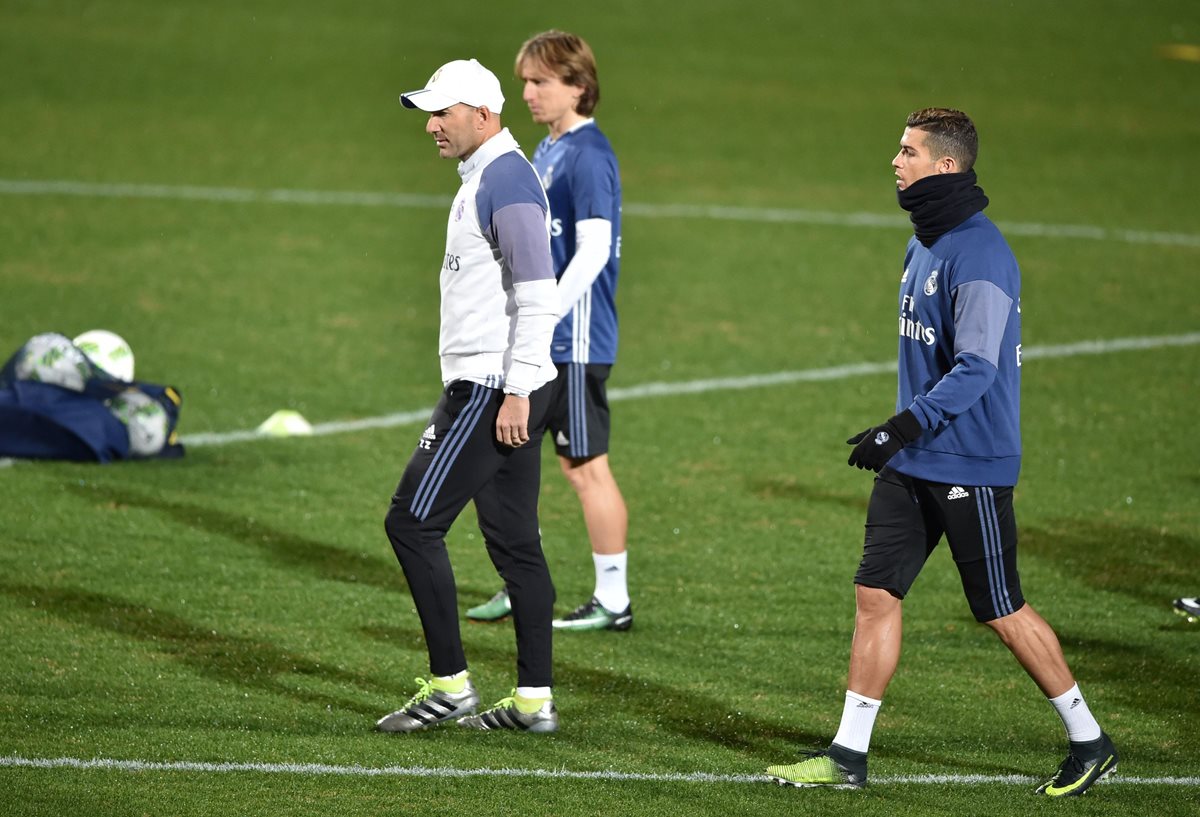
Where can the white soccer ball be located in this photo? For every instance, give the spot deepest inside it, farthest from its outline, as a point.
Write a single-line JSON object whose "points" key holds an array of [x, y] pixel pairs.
{"points": [[146, 420], [51, 358], [109, 351]]}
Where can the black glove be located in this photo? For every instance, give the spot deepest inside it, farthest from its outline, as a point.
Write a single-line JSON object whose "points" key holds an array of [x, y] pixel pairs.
{"points": [[875, 446]]}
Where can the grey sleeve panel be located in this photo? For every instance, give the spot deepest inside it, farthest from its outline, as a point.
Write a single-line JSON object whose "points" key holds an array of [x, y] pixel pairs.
{"points": [[507, 180], [519, 230], [981, 312]]}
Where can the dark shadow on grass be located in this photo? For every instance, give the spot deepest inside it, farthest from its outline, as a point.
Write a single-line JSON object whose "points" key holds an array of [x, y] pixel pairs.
{"points": [[792, 490], [325, 561], [1143, 678], [245, 662], [1144, 564], [671, 709]]}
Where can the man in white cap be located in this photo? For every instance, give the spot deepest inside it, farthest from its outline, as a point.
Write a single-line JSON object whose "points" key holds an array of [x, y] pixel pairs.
{"points": [[499, 305]]}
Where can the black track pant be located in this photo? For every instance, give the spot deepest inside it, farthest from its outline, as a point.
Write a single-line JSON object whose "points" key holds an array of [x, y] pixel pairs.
{"points": [[458, 459]]}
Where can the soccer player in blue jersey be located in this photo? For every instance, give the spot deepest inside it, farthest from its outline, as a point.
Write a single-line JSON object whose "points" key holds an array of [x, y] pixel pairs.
{"points": [[948, 460], [499, 305], [579, 171]]}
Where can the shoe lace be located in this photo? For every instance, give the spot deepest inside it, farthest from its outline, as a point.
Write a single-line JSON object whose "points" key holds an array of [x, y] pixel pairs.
{"points": [[1072, 763], [503, 703], [583, 610], [424, 690]]}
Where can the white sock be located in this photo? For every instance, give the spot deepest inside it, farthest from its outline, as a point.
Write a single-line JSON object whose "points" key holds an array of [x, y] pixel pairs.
{"points": [[611, 587], [858, 719], [534, 693], [1081, 725]]}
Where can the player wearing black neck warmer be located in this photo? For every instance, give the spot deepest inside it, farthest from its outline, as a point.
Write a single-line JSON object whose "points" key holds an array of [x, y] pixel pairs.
{"points": [[939, 203], [948, 459]]}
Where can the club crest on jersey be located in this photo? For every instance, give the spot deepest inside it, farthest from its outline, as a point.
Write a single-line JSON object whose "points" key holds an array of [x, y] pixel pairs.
{"points": [[458, 211], [931, 283], [548, 177]]}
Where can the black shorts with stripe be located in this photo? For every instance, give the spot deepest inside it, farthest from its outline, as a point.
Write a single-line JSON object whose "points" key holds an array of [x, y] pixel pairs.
{"points": [[906, 520], [579, 419]]}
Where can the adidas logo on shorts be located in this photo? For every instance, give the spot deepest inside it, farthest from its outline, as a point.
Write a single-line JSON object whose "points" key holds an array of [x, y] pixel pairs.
{"points": [[957, 492]]}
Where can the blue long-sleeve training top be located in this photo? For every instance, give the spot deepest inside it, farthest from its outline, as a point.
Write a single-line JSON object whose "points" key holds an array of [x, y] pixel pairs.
{"points": [[960, 357]]}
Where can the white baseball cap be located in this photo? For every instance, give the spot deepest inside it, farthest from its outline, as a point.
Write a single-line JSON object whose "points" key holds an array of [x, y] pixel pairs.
{"points": [[463, 81]]}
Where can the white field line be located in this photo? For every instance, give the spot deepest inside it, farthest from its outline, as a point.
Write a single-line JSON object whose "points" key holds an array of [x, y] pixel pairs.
{"points": [[314, 769], [1090, 347], [66, 187]]}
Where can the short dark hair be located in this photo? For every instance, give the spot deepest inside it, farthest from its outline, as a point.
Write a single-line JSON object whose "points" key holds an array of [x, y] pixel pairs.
{"points": [[951, 133], [570, 59]]}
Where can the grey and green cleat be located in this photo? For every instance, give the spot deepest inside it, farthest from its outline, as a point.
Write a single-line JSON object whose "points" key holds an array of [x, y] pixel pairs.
{"points": [[516, 713], [1085, 764], [833, 768], [437, 701], [595, 616], [494, 609]]}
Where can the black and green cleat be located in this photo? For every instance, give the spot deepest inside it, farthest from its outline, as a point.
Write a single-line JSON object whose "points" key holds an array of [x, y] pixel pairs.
{"points": [[1188, 608], [1085, 764]]}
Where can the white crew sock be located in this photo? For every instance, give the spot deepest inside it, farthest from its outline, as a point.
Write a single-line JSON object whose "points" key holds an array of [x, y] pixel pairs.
{"points": [[858, 719], [534, 693], [1080, 723], [611, 588]]}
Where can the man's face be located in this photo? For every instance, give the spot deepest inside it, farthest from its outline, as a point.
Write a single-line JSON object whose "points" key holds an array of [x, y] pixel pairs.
{"points": [[914, 161], [454, 131], [549, 99]]}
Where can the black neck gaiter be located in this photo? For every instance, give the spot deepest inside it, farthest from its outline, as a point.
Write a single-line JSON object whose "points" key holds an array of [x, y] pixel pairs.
{"points": [[939, 203]]}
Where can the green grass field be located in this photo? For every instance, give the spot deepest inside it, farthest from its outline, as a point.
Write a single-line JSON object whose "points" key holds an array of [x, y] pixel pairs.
{"points": [[242, 606]]}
